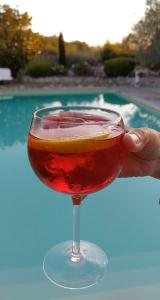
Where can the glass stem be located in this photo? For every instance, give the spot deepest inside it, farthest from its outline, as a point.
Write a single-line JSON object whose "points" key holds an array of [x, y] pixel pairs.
{"points": [[76, 256]]}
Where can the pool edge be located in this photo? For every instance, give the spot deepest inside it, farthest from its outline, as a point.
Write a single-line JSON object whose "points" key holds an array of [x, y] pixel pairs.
{"points": [[76, 91]]}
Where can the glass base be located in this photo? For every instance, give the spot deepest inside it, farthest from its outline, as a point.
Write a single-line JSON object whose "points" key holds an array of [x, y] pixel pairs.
{"points": [[63, 271]]}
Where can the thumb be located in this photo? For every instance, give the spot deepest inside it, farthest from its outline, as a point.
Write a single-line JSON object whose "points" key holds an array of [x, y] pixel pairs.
{"points": [[145, 142]]}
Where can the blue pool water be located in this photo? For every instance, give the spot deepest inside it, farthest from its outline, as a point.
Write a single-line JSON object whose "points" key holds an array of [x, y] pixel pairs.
{"points": [[124, 218]]}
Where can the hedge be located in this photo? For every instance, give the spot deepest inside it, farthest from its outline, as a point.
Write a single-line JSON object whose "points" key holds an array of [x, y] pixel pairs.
{"points": [[120, 66]]}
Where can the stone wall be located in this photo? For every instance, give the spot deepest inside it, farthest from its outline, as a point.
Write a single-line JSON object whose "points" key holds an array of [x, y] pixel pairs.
{"points": [[153, 81]]}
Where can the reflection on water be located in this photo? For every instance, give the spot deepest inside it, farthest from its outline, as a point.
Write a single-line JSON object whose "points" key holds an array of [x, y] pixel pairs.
{"points": [[33, 218], [127, 111], [16, 112]]}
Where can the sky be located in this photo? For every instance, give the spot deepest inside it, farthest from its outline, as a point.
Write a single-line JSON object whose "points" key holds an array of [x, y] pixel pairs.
{"points": [[90, 21]]}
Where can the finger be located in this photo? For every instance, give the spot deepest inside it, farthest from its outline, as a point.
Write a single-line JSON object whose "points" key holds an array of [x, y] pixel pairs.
{"points": [[145, 142], [135, 139]]}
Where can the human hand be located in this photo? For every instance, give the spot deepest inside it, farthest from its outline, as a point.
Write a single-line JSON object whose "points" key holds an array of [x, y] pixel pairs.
{"points": [[142, 156]]}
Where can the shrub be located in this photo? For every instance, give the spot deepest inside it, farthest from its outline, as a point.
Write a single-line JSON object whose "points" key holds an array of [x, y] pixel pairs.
{"points": [[46, 55], [80, 57], [83, 69], [120, 66], [108, 51], [59, 70], [39, 69]]}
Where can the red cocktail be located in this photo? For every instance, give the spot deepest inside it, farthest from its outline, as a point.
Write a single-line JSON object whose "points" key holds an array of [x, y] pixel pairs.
{"points": [[76, 164], [76, 150]]}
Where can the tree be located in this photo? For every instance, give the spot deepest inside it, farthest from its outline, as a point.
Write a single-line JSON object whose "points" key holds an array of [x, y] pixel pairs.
{"points": [[148, 28], [15, 59], [108, 52], [145, 36], [130, 44], [111, 50], [77, 46], [50, 45], [33, 44], [62, 54], [13, 28]]}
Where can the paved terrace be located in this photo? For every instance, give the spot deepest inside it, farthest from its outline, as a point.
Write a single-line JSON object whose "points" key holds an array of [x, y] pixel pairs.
{"points": [[149, 96]]}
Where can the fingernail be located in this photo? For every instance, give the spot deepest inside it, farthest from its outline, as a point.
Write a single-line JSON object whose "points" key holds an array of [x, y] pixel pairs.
{"points": [[135, 138]]}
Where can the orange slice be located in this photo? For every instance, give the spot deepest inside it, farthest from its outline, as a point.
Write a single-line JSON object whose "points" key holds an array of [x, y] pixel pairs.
{"points": [[76, 145]]}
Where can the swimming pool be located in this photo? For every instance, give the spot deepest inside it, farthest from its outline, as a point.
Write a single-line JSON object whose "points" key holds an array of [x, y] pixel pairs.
{"points": [[124, 218]]}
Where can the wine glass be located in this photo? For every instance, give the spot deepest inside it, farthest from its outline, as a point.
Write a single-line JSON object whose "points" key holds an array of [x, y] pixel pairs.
{"points": [[76, 150]]}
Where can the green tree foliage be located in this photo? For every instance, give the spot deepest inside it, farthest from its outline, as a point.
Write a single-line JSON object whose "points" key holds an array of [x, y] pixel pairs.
{"points": [[18, 44], [79, 52], [15, 59], [33, 44], [110, 50], [77, 46], [129, 45], [62, 53], [145, 36], [13, 28], [50, 45]]}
